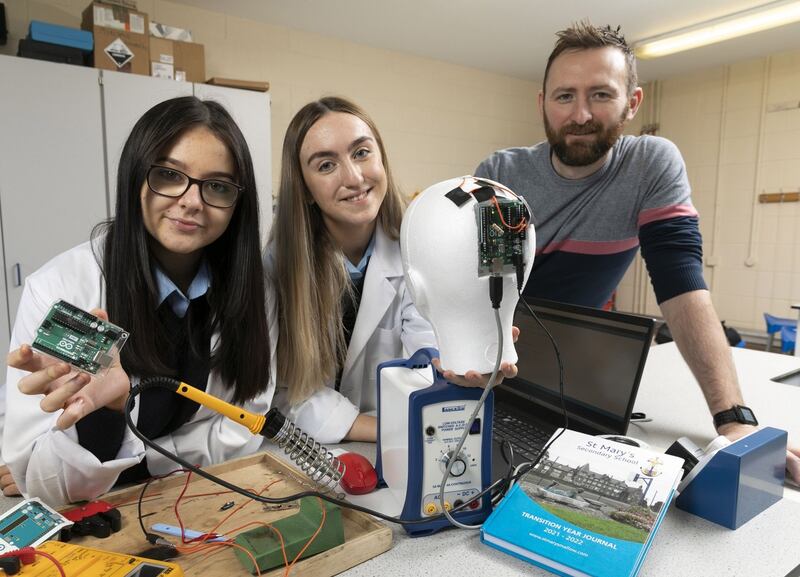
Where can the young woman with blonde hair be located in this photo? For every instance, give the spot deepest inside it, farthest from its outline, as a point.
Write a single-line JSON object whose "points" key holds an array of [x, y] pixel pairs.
{"points": [[336, 268], [343, 305]]}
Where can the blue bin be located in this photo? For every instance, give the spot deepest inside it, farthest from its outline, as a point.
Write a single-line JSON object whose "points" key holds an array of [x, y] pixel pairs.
{"points": [[61, 35], [774, 326], [788, 339]]}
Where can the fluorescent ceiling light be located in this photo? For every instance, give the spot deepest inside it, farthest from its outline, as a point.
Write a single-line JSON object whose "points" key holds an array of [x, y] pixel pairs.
{"points": [[757, 19]]}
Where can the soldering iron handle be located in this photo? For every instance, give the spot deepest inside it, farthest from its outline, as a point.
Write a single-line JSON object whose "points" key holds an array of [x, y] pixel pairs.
{"points": [[313, 459], [253, 422]]}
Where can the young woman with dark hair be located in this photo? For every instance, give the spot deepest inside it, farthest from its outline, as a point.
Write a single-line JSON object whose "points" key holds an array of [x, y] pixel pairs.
{"points": [[179, 267]]}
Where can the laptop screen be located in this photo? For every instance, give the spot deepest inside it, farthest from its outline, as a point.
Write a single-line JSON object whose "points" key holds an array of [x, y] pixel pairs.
{"points": [[603, 354]]}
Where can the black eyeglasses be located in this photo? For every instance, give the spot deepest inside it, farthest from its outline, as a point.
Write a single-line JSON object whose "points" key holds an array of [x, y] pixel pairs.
{"points": [[174, 183]]}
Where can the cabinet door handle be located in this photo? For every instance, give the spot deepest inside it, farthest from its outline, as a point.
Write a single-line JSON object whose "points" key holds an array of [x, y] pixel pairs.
{"points": [[17, 274]]}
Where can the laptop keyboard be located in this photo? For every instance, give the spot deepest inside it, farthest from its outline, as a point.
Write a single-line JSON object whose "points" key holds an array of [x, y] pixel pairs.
{"points": [[526, 437]]}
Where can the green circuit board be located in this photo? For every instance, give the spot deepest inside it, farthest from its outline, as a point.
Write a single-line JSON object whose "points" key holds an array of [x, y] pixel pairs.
{"points": [[501, 235], [72, 335], [29, 524]]}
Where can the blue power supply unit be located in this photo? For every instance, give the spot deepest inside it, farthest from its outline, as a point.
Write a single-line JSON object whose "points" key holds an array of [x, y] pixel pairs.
{"points": [[421, 417]]}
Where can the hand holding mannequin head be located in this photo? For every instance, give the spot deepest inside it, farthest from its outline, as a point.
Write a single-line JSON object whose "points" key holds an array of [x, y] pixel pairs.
{"points": [[448, 275]]}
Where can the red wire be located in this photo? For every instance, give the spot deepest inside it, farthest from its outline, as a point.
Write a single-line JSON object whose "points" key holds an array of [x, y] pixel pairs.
{"points": [[145, 499], [242, 506], [199, 547], [201, 543], [314, 536], [517, 227], [175, 508], [502, 187], [194, 495], [58, 565]]}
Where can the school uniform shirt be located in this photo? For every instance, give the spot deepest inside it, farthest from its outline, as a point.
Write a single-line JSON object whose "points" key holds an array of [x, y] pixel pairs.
{"points": [[187, 355], [50, 463], [387, 327]]}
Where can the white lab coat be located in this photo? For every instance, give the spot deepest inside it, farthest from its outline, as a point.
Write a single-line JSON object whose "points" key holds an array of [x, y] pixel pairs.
{"points": [[49, 463], [387, 327]]}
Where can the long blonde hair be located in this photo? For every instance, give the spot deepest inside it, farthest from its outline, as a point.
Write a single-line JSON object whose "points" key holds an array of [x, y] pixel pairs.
{"points": [[310, 277]]}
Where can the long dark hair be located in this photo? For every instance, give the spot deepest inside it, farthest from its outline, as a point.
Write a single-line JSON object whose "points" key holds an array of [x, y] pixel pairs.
{"points": [[236, 297]]}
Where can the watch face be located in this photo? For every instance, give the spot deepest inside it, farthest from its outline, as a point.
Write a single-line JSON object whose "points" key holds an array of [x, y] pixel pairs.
{"points": [[747, 414]]}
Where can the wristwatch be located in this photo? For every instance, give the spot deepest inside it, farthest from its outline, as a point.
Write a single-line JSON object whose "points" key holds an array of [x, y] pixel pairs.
{"points": [[737, 414]]}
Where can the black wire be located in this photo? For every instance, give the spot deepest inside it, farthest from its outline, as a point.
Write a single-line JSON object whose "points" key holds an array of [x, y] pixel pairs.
{"points": [[139, 508], [505, 444], [147, 535], [503, 483], [135, 391], [528, 466], [558, 358]]}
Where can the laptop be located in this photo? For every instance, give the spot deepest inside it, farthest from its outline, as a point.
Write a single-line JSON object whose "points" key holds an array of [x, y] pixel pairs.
{"points": [[603, 354]]}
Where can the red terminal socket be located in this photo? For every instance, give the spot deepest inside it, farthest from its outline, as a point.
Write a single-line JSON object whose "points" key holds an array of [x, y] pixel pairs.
{"points": [[96, 518]]}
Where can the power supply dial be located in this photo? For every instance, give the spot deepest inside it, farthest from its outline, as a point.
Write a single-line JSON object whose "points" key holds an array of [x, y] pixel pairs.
{"points": [[459, 464]]}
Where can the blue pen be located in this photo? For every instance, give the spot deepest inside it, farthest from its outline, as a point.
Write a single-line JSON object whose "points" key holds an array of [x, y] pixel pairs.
{"points": [[187, 533]]}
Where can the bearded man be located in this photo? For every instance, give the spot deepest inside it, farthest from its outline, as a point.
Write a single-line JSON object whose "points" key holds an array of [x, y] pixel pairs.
{"points": [[598, 196]]}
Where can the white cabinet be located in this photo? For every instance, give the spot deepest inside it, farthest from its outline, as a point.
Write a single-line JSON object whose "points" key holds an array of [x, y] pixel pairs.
{"points": [[251, 111], [125, 98], [52, 177], [62, 129]]}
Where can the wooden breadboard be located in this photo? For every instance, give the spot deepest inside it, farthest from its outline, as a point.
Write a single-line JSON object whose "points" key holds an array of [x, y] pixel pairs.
{"points": [[200, 510]]}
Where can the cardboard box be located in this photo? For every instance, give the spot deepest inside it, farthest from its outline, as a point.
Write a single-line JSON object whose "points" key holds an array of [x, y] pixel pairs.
{"points": [[177, 60], [126, 3], [120, 38], [115, 16]]}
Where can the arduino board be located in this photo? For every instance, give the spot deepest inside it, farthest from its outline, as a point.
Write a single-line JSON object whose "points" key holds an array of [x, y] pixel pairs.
{"points": [[502, 229], [79, 338], [29, 523]]}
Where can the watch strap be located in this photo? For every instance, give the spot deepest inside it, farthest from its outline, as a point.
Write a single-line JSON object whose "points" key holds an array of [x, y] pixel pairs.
{"points": [[736, 414]]}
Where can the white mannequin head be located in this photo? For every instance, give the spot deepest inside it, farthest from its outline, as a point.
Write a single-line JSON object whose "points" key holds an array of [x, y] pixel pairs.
{"points": [[439, 244]]}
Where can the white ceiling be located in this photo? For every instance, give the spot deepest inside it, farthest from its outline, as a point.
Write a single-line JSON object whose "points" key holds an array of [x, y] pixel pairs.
{"points": [[510, 37]]}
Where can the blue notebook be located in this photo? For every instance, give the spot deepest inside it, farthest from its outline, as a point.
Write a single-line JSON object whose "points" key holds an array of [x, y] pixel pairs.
{"points": [[591, 507]]}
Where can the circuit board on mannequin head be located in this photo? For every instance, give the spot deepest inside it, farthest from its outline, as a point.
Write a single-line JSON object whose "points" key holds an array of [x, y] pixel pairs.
{"points": [[502, 230]]}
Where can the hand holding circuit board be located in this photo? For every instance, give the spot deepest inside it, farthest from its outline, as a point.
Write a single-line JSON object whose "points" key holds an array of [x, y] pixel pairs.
{"points": [[79, 392]]}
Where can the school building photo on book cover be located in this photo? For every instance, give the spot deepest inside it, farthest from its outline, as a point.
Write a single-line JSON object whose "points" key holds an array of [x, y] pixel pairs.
{"points": [[598, 494]]}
